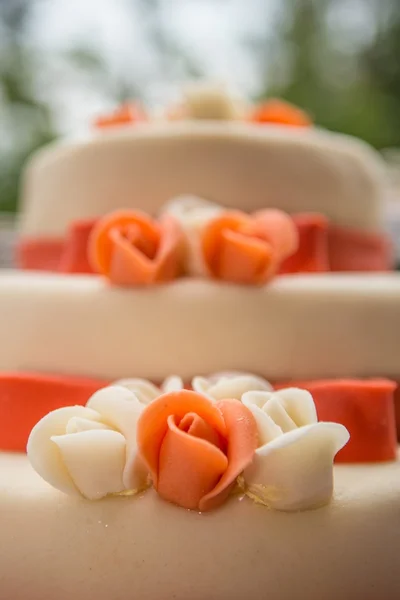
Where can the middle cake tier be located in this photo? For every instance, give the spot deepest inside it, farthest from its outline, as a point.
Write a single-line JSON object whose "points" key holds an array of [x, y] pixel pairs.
{"points": [[298, 327]]}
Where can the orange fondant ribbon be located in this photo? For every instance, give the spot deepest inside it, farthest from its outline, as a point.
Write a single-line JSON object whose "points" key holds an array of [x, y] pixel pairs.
{"points": [[25, 398], [368, 408], [322, 248], [74, 258]]}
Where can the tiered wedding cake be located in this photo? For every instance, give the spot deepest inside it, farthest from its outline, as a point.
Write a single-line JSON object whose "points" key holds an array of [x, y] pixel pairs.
{"points": [[236, 252]]}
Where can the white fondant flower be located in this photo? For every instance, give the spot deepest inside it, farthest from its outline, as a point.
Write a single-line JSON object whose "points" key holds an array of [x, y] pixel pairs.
{"points": [[229, 385], [146, 391], [193, 214], [208, 101], [91, 450], [293, 466]]}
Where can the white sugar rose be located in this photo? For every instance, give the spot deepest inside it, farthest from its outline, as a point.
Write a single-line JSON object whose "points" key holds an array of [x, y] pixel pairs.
{"points": [[91, 450], [229, 385], [193, 214], [146, 391], [293, 467], [207, 101]]}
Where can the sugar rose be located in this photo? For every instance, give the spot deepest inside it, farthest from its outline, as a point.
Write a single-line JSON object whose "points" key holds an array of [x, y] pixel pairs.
{"points": [[195, 449], [248, 249], [130, 248]]}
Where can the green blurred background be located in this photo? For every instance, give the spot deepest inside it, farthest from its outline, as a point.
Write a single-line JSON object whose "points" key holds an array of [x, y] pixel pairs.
{"points": [[63, 62]]}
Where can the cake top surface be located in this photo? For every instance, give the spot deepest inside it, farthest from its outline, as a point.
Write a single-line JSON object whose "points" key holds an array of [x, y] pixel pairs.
{"points": [[240, 156]]}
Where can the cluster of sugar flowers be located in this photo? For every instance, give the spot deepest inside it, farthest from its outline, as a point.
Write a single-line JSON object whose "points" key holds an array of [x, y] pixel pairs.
{"points": [[207, 102], [192, 237], [193, 446]]}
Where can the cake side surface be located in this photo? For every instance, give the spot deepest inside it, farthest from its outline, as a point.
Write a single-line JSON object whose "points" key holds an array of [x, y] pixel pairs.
{"points": [[300, 326], [151, 549], [240, 165]]}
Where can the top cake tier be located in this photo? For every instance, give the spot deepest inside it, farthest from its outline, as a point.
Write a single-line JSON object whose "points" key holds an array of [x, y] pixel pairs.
{"points": [[210, 150]]}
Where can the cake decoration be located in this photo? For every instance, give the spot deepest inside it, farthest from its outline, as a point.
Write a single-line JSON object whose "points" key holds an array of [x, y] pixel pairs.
{"points": [[280, 112], [91, 450], [248, 249], [193, 214], [229, 385], [132, 249], [365, 407], [213, 103], [146, 391], [293, 465], [126, 114], [203, 101], [321, 247], [193, 448], [75, 257]]}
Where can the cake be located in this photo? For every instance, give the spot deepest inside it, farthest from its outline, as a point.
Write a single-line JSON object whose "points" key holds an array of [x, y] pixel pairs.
{"points": [[200, 354]]}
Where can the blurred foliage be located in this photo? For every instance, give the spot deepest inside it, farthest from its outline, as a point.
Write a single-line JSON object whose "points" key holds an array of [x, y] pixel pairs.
{"points": [[353, 88], [347, 81]]}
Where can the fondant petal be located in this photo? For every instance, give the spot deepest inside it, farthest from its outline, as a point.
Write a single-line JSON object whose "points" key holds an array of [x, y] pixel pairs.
{"points": [[295, 471], [144, 390], [268, 430], [119, 408], [95, 461], [278, 229], [171, 384], [299, 405], [78, 424], [44, 455], [189, 467], [229, 386], [242, 440], [170, 254]]}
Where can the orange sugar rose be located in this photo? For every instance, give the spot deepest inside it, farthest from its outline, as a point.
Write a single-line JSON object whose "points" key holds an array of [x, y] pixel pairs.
{"points": [[194, 448], [130, 248], [280, 113], [248, 249], [124, 115]]}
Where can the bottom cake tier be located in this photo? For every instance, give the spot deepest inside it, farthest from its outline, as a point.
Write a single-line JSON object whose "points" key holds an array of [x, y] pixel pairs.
{"points": [[56, 546]]}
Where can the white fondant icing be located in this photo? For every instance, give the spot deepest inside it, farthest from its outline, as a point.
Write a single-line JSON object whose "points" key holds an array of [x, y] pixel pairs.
{"points": [[91, 450], [222, 386], [293, 466], [144, 547], [298, 327], [237, 164]]}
